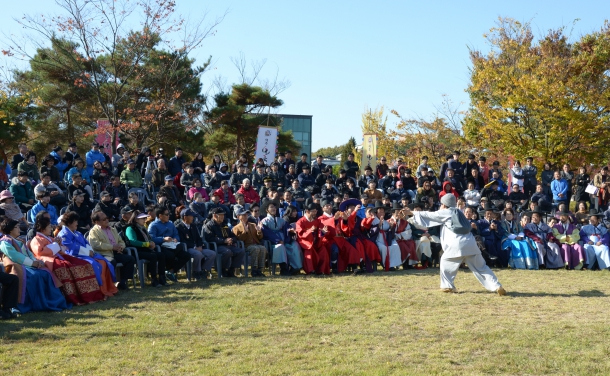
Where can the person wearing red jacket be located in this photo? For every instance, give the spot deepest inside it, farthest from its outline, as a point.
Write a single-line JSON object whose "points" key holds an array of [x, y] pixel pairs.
{"points": [[350, 227], [225, 193], [249, 193], [316, 258], [348, 254]]}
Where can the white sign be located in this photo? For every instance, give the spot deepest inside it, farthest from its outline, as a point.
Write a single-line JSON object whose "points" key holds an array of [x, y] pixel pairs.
{"points": [[266, 144]]}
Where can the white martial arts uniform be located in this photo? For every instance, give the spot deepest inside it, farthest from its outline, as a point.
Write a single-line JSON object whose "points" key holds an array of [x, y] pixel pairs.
{"points": [[457, 249]]}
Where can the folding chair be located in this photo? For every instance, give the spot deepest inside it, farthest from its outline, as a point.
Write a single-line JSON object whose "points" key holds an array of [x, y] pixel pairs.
{"points": [[142, 195]]}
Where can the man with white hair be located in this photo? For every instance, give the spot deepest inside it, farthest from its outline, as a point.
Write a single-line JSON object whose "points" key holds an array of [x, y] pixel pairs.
{"points": [[458, 244], [249, 193]]}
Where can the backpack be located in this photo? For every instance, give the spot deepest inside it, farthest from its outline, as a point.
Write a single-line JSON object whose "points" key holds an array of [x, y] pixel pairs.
{"points": [[459, 223]]}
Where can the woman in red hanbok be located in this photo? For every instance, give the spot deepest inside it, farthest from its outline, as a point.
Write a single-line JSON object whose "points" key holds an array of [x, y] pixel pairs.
{"points": [[77, 276]]}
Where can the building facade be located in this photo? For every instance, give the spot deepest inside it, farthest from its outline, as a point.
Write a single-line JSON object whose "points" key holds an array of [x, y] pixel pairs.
{"points": [[301, 127]]}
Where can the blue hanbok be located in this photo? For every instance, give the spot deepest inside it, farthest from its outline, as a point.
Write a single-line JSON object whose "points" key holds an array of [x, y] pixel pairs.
{"points": [[38, 287], [79, 247], [596, 253], [523, 254], [276, 230]]}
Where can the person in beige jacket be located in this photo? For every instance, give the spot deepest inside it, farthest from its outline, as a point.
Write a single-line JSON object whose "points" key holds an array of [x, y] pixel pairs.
{"points": [[251, 235], [106, 241]]}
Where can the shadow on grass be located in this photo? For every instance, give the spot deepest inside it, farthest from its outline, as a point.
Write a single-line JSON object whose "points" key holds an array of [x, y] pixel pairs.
{"points": [[580, 294]]}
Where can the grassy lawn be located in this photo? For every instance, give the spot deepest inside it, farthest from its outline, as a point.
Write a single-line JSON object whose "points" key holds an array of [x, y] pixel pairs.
{"points": [[552, 322]]}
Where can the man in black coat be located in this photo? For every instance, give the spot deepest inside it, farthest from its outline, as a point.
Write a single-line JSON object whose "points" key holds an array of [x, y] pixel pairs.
{"points": [[18, 158], [109, 206], [203, 259], [351, 167], [226, 242]]}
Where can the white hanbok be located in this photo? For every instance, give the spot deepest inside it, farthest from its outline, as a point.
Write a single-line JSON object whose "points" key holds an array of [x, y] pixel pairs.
{"points": [[392, 249], [457, 249]]}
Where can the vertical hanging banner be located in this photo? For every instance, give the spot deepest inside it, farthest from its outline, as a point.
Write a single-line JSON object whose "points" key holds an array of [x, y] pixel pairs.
{"points": [[105, 138], [266, 144], [369, 152]]}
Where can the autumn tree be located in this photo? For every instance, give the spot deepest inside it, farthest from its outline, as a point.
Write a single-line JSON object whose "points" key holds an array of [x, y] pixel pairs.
{"points": [[546, 97], [115, 52], [375, 122]]}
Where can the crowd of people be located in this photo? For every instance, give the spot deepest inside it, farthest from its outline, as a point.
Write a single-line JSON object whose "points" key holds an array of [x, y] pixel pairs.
{"points": [[68, 222]]}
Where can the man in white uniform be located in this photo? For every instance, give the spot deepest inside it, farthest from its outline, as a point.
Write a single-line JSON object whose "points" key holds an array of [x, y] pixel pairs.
{"points": [[458, 248]]}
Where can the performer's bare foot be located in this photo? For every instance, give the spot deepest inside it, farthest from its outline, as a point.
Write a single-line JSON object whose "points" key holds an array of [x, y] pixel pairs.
{"points": [[501, 291], [449, 290]]}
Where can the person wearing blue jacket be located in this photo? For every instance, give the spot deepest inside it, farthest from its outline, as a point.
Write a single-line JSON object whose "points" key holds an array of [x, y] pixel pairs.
{"points": [[161, 230], [175, 164], [43, 203], [94, 155], [60, 164], [78, 168], [559, 187]]}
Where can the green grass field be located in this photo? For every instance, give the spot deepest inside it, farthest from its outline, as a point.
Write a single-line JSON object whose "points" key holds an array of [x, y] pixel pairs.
{"points": [[551, 322]]}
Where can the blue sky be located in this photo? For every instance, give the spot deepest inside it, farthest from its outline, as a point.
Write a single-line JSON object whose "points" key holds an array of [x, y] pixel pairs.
{"points": [[344, 57]]}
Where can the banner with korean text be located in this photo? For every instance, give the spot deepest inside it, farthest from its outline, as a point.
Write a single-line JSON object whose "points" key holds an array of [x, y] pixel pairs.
{"points": [[266, 144], [369, 152]]}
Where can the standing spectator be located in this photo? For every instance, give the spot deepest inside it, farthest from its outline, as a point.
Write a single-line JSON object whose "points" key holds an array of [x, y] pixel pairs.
{"points": [[581, 180], [547, 178], [94, 155], [203, 259], [484, 169], [568, 176], [198, 163], [530, 173], [351, 167], [71, 155], [317, 167], [251, 234], [217, 232], [300, 164], [18, 158], [559, 188], [120, 149], [382, 168], [175, 164]]}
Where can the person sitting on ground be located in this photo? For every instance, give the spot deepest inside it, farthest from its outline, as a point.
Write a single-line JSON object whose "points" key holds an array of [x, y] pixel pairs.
{"points": [[286, 252], [372, 191], [522, 251], [163, 232], [39, 288], [77, 246], [217, 232], [582, 214], [203, 259], [251, 234], [138, 237], [106, 241]]}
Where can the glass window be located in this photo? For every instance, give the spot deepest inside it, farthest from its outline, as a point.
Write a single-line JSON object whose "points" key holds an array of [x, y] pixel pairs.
{"points": [[298, 135], [306, 136], [305, 144]]}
